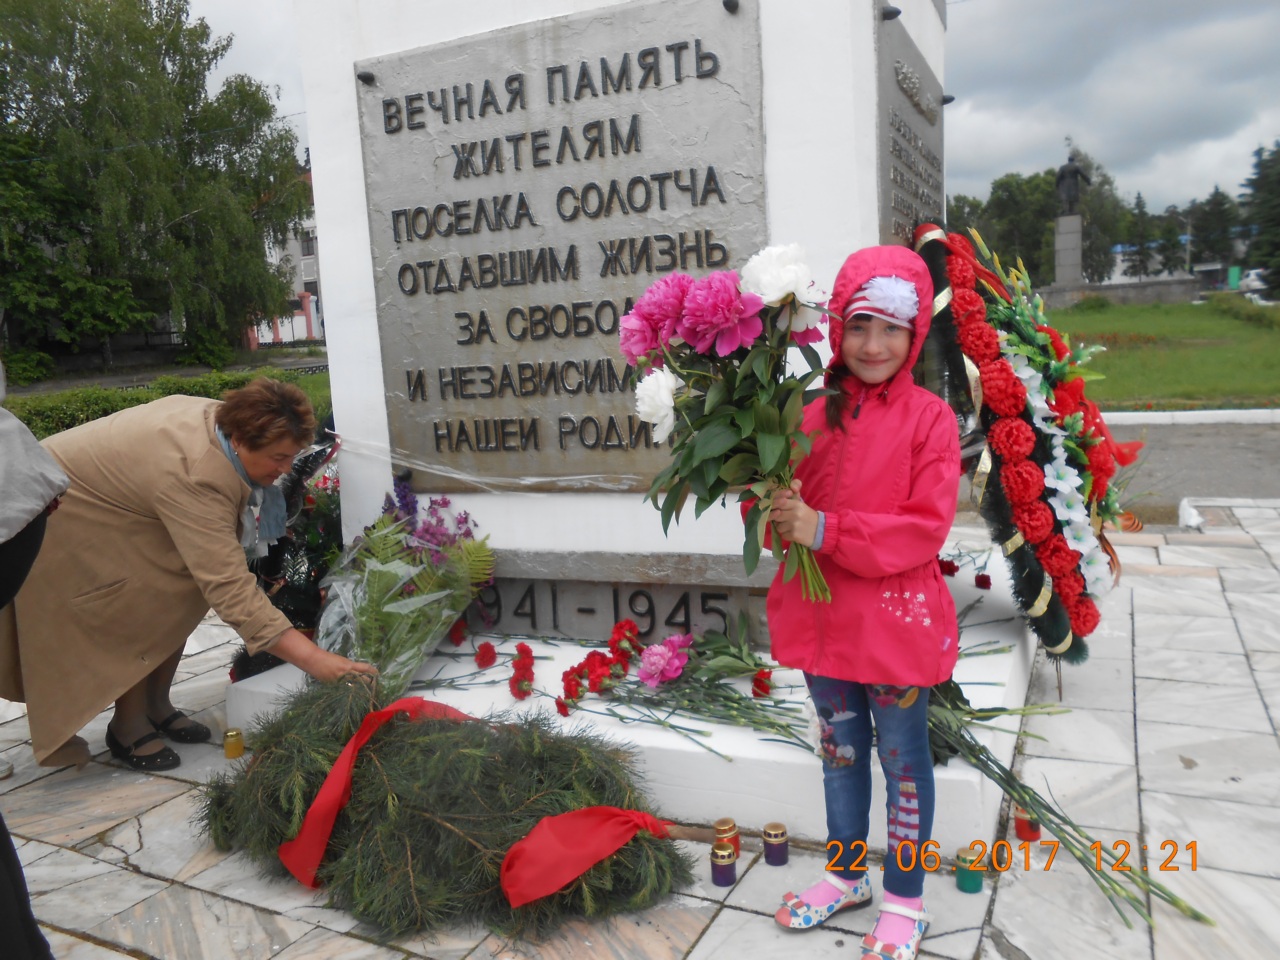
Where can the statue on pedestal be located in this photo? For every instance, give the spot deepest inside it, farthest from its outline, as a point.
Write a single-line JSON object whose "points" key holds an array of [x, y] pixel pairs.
{"points": [[1068, 183]]}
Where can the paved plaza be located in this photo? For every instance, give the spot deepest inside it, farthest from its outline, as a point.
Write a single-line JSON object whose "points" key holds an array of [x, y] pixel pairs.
{"points": [[1171, 737]]}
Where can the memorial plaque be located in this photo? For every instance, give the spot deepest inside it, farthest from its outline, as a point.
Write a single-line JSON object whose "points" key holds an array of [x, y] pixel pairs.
{"points": [[910, 134], [524, 187]]}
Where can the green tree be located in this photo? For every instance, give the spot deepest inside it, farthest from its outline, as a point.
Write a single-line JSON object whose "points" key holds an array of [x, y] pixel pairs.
{"points": [[964, 212], [1171, 252], [1139, 255], [1213, 228], [161, 200], [1019, 218], [1262, 213]]}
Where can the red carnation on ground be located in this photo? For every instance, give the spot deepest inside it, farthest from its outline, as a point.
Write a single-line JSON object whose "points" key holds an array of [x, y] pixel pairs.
{"points": [[1034, 520], [1057, 557], [1023, 482], [1084, 616], [967, 307], [762, 683], [521, 682], [458, 632], [1002, 391], [1012, 438], [486, 655], [982, 581], [979, 341], [949, 568], [1069, 587], [572, 686]]}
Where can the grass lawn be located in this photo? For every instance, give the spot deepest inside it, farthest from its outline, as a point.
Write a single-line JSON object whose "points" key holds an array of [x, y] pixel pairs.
{"points": [[1176, 357]]}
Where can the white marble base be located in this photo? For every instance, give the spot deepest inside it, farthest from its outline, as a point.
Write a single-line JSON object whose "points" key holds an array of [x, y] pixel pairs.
{"points": [[754, 781]]}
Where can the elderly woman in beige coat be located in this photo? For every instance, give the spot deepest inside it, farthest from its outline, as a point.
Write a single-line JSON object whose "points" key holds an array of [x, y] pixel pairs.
{"points": [[152, 533]]}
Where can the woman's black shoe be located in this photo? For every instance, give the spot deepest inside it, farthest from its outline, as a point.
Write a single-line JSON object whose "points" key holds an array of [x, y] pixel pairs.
{"points": [[163, 759], [194, 732]]}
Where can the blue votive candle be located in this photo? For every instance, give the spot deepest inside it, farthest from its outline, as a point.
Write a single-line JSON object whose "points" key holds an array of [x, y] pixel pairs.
{"points": [[724, 864], [776, 846]]}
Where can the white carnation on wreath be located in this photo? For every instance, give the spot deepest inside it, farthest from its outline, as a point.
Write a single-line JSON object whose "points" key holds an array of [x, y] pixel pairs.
{"points": [[656, 402]]}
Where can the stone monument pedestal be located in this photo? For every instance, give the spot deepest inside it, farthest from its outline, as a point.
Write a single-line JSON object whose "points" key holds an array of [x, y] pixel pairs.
{"points": [[750, 776], [1068, 251]]}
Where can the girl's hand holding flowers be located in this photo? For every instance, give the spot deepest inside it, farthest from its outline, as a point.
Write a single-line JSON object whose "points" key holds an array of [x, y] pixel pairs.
{"points": [[794, 520]]}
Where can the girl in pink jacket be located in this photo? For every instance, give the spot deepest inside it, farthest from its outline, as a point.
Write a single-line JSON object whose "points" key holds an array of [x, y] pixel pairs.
{"points": [[875, 499]]}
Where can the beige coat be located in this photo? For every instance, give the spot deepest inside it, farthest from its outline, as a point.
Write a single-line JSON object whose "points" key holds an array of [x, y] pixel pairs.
{"points": [[147, 539]]}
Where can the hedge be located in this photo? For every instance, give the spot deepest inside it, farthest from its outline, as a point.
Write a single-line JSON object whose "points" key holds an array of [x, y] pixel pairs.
{"points": [[50, 413]]}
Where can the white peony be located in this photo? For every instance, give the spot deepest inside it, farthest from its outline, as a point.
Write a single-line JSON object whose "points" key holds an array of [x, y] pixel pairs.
{"points": [[656, 402], [777, 273]]}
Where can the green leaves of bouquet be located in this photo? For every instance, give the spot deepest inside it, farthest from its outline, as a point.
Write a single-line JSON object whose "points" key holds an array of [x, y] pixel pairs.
{"points": [[405, 582], [719, 388]]}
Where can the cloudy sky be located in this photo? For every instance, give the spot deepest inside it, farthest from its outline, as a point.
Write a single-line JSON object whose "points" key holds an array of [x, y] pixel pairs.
{"points": [[1171, 96]]}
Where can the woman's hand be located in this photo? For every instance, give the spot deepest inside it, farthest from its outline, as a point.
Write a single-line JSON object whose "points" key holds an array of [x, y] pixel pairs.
{"points": [[792, 517], [294, 647]]}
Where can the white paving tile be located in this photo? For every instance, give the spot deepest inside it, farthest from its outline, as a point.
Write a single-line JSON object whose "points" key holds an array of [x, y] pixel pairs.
{"points": [[1181, 596], [1230, 669], [1247, 923], [1208, 634], [1218, 556], [1103, 735], [86, 903], [1096, 684], [1246, 580], [1239, 837], [236, 877], [1199, 761], [73, 948], [193, 925], [1211, 705], [1059, 914], [164, 841], [1097, 796]]}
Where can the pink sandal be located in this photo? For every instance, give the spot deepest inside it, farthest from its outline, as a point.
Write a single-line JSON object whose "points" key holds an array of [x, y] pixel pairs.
{"points": [[879, 950], [795, 914]]}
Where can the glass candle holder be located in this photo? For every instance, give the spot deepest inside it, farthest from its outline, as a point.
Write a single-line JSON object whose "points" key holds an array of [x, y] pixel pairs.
{"points": [[727, 832], [968, 880], [776, 844], [724, 864]]}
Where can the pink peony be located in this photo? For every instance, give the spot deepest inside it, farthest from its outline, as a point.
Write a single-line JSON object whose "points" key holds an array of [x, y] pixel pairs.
{"points": [[664, 661], [652, 321], [717, 314]]}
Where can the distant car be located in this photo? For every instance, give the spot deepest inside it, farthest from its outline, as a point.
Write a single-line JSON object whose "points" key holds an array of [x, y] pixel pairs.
{"points": [[1253, 281]]}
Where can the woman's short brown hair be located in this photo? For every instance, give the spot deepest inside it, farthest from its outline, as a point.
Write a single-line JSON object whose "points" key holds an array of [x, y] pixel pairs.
{"points": [[264, 411]]}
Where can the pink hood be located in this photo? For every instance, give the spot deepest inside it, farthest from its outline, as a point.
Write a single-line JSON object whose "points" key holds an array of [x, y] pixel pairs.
{"points": [[860, 267]]}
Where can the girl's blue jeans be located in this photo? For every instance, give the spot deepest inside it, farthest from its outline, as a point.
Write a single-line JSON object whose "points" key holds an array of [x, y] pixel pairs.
{"points": [[847, 712]]}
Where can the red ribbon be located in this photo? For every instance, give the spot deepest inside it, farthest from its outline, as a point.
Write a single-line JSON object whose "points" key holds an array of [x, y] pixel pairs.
{"points": [[562, 848], [302, 855]]}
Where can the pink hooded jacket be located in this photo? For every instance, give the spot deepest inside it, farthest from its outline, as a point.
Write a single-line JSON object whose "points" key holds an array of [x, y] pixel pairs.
{"points": [[888, 483]]}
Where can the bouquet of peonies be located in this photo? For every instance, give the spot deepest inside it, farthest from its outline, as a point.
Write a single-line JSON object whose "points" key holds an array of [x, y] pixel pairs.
{"points": [[713, 357]]}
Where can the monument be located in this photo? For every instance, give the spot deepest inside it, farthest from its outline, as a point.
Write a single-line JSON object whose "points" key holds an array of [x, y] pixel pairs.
{"points": [[500, 187], [1068, 229], [495, 184]]}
